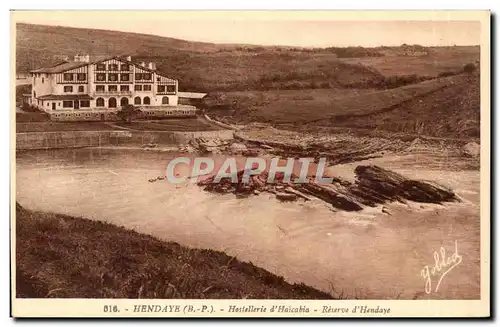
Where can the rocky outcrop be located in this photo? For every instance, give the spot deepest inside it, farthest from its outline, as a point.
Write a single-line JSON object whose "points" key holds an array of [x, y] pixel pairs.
{"points": [[373, 186], [471, 149]]}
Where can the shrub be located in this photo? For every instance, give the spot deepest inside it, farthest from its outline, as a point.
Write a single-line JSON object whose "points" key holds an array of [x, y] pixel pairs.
{"points": [[446, 74], [128, 112], [469, 68]]}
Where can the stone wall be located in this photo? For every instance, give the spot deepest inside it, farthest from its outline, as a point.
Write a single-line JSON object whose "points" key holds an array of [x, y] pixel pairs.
{"points": [[79, 139], [69, 139]]}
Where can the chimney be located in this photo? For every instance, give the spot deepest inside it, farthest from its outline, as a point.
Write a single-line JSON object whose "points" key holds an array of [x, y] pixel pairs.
{"points": [[82, 58], [128, 58], [152, 65], [143, 64]]}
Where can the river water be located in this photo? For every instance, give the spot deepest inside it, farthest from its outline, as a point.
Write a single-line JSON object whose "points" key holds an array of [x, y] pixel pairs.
{"points": [[367, 254]]}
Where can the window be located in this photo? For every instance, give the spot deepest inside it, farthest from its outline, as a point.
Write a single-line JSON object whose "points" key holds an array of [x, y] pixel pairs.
{"points": [[43, 80], [123, 102], [67, 104], [113, 67], [124, 77], [112, 88], [164, 100], [146, 76], [158, 79], [113, 77], [171, 88], [147, 87], [137, 100], [68, 77], [101, 67], [138, 88], [138, 76], [112, 103], [84, 103], [100, 88], [161, 88], [101, 77], [125, 67], [81, 77], [80, 88], [99, 102], [124, 88], [68, 88], [146, 100]]}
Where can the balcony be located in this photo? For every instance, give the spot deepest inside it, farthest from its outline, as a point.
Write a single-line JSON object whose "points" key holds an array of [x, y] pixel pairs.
{"points": [[111, 93]]}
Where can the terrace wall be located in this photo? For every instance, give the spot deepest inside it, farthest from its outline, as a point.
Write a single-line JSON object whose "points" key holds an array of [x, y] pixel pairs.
{"points": [[80, 139], [110, 115]]}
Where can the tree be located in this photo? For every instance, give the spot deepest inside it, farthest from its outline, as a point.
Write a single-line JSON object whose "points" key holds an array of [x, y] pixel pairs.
{"points": [[128, 112]]}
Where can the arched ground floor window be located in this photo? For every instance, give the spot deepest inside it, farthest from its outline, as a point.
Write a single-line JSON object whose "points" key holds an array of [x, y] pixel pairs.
{"points": [[99, 102], [112, 103], [123, 102]]}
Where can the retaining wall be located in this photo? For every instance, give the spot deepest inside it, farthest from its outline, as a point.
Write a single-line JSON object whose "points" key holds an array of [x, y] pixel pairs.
{"points": [[80, 139]]}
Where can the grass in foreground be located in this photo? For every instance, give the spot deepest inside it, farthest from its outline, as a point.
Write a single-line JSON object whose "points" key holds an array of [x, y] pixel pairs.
{"points": [[64, 257]]}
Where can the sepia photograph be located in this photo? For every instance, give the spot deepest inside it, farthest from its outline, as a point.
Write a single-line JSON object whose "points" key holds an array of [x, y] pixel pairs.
{"points": [[337, 160]]}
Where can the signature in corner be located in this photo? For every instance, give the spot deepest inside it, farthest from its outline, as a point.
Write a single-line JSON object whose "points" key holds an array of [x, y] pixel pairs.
{"points": [[442, 266]]}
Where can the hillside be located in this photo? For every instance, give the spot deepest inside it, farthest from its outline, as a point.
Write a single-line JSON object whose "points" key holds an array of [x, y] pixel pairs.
{"points": [[450, 111], [444, 107], [39, 45], [408, 88], [209, 67], [65, 257], [199, 66]]}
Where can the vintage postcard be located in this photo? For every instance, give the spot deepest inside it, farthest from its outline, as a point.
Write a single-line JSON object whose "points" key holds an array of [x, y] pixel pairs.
{"points": [[250, 164]]}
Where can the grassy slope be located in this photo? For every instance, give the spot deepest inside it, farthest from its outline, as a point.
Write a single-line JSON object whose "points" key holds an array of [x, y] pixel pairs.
{"points": [[214, 67], [439, 60], [199, 66], [61, 256], [38, 44], [282, 85], [302, 106], [445, 107], [450, 111], [267, 70]]}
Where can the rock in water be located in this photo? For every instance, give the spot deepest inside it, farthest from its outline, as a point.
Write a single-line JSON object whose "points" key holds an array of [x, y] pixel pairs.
{"points": [[373, 186], [286, 196], [238, 147], [472, 149], [393, 186]]}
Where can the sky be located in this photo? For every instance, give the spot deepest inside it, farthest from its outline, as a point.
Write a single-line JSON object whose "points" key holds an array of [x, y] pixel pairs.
{"points": [[264, 30]]}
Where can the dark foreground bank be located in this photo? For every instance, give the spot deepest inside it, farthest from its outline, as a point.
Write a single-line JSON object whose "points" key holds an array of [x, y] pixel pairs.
{"points": [[64, 257]]}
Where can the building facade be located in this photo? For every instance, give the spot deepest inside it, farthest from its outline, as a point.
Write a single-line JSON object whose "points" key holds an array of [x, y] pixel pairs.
{"points": [[95, 90]]}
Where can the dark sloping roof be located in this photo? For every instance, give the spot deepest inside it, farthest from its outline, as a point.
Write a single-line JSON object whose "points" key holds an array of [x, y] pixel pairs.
{"points": [[151, 70], [65, 66], [68, 65], [65, 97], [60, 68]]}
